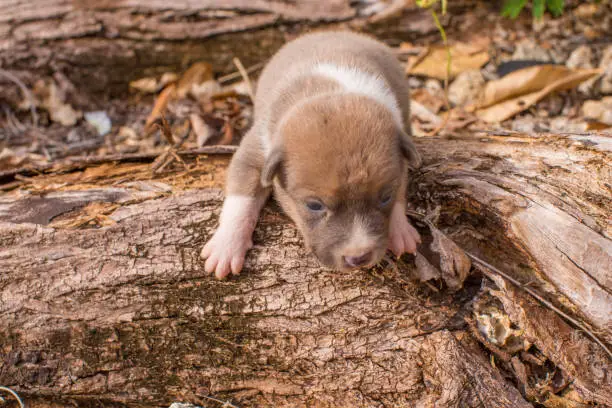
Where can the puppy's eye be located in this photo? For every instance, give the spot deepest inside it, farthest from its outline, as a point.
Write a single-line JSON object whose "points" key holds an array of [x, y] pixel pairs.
{"points": [[385, 198], [315, 206]]}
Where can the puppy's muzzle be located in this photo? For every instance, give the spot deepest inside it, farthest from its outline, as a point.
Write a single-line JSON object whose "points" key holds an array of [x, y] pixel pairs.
{"points": [[358, 261]]}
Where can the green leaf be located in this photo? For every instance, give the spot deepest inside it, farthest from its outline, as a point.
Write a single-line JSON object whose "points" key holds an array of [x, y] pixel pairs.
{"points": [[555, 7], [538, 9], [512, 8]]}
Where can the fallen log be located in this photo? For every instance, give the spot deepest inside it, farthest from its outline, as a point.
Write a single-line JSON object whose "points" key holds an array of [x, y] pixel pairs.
{"points": [[103, 298], [99, 46]]}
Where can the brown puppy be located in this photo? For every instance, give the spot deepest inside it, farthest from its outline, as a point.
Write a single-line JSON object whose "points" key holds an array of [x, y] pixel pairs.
{"points": [[331, 136]]}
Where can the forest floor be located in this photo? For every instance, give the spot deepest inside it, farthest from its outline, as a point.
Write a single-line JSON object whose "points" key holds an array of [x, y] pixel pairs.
{"points": [[487, 89]]}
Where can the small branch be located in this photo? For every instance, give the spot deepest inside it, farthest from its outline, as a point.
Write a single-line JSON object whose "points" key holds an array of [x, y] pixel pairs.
{"points": [[235, 75], [245, 77], [166, 158]]}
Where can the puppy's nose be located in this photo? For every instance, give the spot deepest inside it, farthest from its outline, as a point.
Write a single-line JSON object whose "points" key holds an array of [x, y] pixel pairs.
{"points": [[356, 261]]}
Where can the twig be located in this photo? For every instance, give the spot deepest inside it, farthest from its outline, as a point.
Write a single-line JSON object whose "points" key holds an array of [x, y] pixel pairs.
{"points": [[164, 128], [245, 77], [234, 75], [416, 60], [441, 125], [26, 93], [167, 157], [545, 302], [14, 394]]}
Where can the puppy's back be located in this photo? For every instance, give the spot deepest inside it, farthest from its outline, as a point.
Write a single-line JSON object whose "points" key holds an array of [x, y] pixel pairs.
{"points": [[337, 55]]}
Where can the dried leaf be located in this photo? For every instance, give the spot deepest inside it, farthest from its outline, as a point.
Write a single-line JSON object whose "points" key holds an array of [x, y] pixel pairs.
{"points": [[161, 103], [152, 84], [202, 131], [145, 85], [228, 134], [424, 114], [521, 82], [424, 269], [532, 84], [167, 78], [426, 98], [463, 59], [53, 102], [454, 263], [205, 91], [197, 74], [600, 111]]}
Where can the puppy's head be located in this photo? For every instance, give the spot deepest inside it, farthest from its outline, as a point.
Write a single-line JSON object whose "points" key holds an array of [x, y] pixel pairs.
{"points": [[338, 165]]}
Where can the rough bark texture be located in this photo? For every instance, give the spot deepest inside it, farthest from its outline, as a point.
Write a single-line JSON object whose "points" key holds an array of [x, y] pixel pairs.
{"points": [[114, 41], [102, 45], [115, 308]]}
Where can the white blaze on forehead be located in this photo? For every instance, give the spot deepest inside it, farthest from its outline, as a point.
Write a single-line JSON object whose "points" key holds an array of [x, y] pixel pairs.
{"points": [[354, 80], [360, 240]]}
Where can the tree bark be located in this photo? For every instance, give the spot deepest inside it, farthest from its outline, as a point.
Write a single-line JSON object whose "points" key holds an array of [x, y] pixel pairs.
{"points": [[103, 298], [102, 45], [111, 42]]}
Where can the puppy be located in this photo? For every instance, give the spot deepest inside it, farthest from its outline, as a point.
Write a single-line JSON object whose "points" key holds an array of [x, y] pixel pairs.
{"points": [[331, 137]]}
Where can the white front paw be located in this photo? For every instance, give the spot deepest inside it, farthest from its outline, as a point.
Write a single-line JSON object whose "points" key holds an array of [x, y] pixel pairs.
{"points": [[225, 252]]}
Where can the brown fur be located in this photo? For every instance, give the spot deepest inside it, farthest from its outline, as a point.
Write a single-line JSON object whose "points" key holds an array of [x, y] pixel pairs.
{"points": [[343, 149]]}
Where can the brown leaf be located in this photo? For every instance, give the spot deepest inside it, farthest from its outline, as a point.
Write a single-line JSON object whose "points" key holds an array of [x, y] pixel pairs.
{"points": [[228, 134], [53, 101], [521, 82], [145, 85], [197, 74], [201, 129], [527, 87], [161, 103], [432, 102], [454, 263], [463, 59], [424, 269]]}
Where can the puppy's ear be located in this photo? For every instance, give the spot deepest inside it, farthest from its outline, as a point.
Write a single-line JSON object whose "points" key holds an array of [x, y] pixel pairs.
{"points": [[409, 150], [271, 166]]}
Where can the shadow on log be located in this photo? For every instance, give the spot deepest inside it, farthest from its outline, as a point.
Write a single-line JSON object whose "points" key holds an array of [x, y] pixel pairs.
{"points": [[104, 299]]}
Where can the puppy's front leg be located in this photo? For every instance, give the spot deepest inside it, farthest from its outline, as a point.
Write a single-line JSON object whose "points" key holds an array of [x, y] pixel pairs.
{"points": [[244, 199], [403, 237]]}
